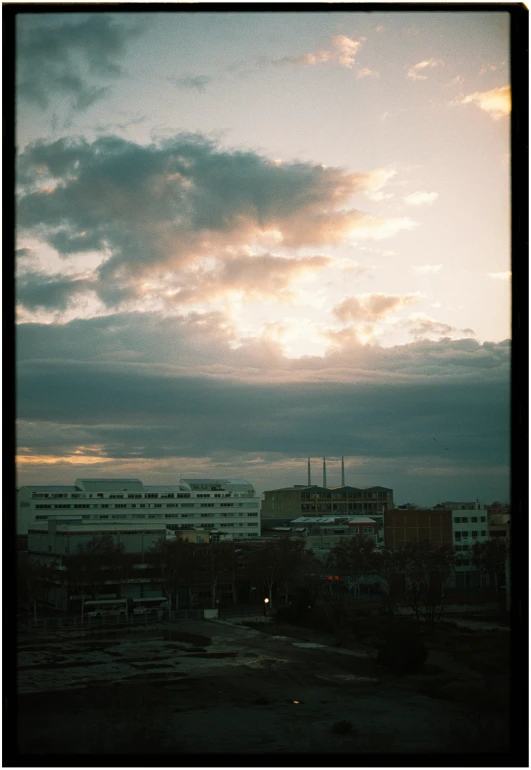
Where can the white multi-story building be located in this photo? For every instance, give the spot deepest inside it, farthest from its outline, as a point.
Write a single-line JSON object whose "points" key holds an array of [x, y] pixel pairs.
{"points": [[229, 506], [469, 526]]}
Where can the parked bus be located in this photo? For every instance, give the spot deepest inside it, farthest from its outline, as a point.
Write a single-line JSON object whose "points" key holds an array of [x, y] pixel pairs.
{"points": [[100, 607], [152, 604]]}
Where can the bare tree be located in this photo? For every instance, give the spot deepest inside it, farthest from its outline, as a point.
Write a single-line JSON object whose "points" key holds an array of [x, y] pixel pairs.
{"points": [[175, 559], [219, 559], [279, 563], [389, 566], [91, 567], [427, 570], [489, 558], [35, 580]]}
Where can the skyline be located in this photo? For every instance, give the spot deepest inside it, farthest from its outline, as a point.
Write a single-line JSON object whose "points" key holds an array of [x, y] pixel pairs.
{"points": [[243, 238]]}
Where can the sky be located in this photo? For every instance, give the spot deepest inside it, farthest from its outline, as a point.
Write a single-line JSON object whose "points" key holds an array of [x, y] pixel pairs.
{"points": [[245, 239]]}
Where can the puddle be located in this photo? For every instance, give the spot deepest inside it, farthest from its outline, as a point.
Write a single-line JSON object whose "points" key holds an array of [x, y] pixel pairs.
{"points": [[346, 678], [308, 645], [212, 655], [47, 666]]}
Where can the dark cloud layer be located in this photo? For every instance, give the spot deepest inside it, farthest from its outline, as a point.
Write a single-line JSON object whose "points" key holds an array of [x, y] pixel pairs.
{"points": [[129, 405], [139, 385], [64, 58]]}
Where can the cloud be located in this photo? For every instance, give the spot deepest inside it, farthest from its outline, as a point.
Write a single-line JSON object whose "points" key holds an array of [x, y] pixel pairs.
{"points": [[422, 326], [496, 102], [194, 82], [375, 180], [416, 71], [162, 209], [370, 307], [347, 49], [263, 275], [63, 59], [57, 292], [421, 198], [503, 276], [343, 52], [366, 72], [426, 269]]}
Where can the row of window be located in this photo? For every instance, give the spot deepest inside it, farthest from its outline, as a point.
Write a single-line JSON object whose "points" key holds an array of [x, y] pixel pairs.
{"points": [[136, 496], [474, 533], [143, 505], [464, 519]]}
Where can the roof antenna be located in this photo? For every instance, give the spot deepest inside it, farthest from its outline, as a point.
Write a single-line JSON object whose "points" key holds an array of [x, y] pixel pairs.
{"points": [[342, 471], [324, 472], [309, 474]]}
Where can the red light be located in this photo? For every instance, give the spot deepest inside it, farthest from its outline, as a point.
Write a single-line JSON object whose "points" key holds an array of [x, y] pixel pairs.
{"points": [[329, 577], [336, 577]]}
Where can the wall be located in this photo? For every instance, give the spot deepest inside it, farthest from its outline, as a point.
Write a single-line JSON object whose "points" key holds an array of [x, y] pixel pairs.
{"points": [[403, 526]]}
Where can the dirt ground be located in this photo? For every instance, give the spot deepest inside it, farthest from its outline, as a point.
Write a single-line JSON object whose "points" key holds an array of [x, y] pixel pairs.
{"points": [[207, 687]]}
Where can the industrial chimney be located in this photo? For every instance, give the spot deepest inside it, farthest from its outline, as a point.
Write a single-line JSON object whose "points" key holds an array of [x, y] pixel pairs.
{"points": [[324, 472], [309, 474], [342, 471]]}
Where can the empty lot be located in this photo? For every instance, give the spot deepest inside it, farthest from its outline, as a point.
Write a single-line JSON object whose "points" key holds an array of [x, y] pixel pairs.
{"points": [[204, 687]]}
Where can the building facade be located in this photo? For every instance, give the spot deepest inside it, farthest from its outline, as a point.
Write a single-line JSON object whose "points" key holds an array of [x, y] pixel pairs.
{"points": [[280, 506], [221, 505], [404, 526]]}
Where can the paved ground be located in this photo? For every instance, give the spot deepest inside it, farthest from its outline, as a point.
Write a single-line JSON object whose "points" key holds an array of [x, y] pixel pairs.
{"points": [[213, 687]]}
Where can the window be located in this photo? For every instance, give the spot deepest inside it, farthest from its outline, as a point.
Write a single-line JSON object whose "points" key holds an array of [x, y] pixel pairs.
{"points": [[464, 520], [464, 534], [483, 519], [458, 535], [367, 530], [459, 547], [112, 497], [474, 519], [151, 494], [457, 519], [483, 532], [474, 533], [118, 505]]}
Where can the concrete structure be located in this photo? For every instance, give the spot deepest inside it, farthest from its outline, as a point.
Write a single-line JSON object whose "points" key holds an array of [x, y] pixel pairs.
{"points": [[322, 533], [55, 539], [281, 506], [402, 526], [499, 521], [221, 505]]}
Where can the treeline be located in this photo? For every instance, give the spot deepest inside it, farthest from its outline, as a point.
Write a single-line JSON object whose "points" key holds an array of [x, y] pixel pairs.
{"points": [[278, 570]]}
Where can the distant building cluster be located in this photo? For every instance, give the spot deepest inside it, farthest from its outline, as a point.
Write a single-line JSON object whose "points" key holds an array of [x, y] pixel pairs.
{"points": [[54, 522]]}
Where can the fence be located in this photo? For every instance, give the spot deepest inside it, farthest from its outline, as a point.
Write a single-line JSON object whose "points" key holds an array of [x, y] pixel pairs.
{"points": [[49, 624]]}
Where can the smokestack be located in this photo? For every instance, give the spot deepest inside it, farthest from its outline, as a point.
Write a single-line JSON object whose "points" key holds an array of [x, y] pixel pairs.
{"points": [[324, 472], [342, 471], [309, 474]]}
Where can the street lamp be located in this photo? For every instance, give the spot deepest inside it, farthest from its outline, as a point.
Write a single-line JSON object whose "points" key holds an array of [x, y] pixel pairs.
{"points": [[266, 602]]}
